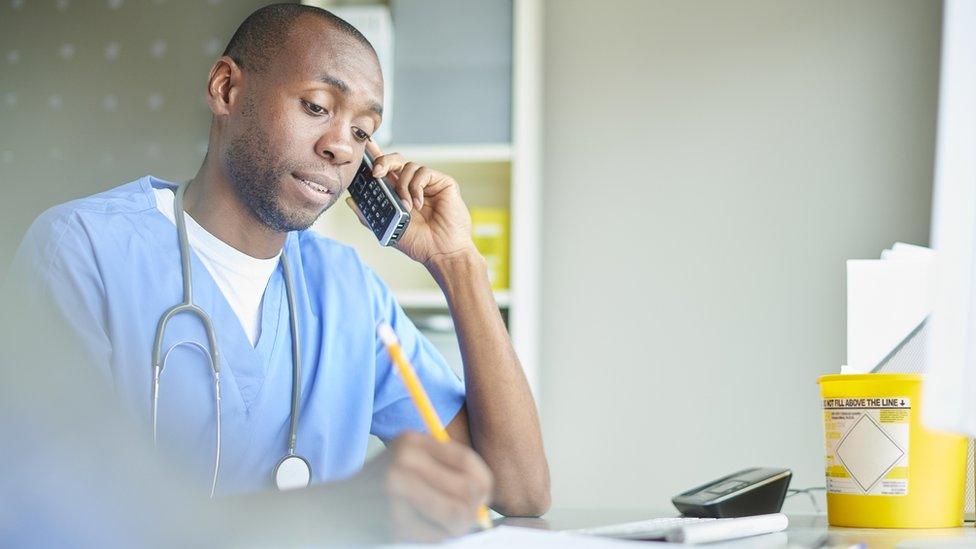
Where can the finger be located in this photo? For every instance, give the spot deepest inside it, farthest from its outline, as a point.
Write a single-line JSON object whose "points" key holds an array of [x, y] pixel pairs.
{"points": [[417, 454], [388, 164], [438, 184], [355, 208], [467, 463], [418, 183], [410, 525], [459, 460], [452, 515], [464, 488], [407, 515], [402, 184], [374, 148]]}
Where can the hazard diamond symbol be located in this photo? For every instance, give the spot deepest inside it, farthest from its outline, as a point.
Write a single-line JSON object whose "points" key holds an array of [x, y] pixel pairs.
{"points": [[867, 452]]}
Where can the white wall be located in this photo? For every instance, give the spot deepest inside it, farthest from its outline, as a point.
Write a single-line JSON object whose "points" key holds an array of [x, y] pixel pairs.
{"points": [[709, 167]]}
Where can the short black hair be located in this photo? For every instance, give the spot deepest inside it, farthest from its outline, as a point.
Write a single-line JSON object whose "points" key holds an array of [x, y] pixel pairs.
{"points": [[257, 41]]}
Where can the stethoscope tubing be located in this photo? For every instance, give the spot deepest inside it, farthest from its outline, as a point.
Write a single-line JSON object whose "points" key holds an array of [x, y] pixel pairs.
{"points": [[213, 356]]}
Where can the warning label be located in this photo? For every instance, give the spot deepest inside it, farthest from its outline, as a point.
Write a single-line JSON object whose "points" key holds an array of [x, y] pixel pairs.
{"points": [[867, 445]]}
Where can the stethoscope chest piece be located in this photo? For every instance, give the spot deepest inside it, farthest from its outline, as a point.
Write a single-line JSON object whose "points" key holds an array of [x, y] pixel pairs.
{"points": [[292, 472]]}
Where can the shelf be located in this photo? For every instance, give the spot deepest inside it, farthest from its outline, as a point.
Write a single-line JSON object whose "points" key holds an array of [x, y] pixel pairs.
{"points": [[475, 152], [434, 299]]}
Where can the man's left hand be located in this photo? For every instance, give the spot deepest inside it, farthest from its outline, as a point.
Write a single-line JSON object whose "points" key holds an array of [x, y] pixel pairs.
{"points": [[439, 220]]}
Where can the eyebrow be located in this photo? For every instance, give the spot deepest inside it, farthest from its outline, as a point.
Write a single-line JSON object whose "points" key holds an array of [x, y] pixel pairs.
{"points": [[341, 85]]}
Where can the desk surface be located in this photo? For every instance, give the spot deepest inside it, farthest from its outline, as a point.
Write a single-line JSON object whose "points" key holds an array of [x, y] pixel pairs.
{"points": [[804, 530]]}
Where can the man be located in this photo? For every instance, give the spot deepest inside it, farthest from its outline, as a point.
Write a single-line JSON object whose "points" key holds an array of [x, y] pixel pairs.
{"points": [[295, 99]]}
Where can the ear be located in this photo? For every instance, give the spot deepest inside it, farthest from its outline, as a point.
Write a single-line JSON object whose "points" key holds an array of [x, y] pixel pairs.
{"points": [[224, 86]]}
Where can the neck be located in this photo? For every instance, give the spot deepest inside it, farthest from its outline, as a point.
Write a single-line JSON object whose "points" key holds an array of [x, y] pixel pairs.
{"points": [[212, 202]]}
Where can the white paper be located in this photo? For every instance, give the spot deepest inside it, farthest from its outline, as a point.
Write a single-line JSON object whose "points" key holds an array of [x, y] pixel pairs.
{"points": [[902, 250], [886, 300], [510, 537], [722, 530]]}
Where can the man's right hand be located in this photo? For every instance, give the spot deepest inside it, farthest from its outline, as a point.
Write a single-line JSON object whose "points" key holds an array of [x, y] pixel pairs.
{"points": [[431, 489]]}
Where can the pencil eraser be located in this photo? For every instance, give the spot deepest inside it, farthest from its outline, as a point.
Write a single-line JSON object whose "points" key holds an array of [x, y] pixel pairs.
{"points": [[386, 333]]}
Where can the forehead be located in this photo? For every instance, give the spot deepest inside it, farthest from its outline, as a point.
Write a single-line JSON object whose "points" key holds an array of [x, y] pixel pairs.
{"points": [[315, 48]]}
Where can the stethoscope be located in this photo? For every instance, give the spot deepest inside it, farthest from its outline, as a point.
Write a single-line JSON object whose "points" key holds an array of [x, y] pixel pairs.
{"points": [[292, 471]]}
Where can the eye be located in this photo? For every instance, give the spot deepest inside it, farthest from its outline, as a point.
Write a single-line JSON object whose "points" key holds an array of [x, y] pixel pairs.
{"points": [[361, 135], [314, 109]]}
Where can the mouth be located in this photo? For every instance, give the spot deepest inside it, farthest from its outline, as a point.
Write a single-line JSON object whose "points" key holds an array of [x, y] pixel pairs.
{"points": [[315, 188]]}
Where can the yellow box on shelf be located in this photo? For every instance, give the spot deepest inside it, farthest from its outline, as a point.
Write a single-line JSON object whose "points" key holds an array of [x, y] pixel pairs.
{"points": [[490, 229]]}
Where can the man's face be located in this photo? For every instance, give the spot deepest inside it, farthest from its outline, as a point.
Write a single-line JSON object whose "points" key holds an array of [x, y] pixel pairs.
{"points": [[299, 134]]}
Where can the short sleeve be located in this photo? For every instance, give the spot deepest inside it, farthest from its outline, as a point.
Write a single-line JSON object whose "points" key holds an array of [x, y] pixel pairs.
{"points": [[393, 411], [54, 273]]}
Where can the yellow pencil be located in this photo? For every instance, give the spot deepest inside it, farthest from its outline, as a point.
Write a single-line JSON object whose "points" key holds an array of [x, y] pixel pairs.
{"points": [[420, 398]]}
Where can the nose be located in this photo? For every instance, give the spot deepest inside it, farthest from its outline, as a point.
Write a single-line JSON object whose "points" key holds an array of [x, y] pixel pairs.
{"points": [[336, 144]]}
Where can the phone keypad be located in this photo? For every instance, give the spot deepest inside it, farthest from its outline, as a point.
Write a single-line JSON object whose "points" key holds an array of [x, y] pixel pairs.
{"points": [[372, 201]]}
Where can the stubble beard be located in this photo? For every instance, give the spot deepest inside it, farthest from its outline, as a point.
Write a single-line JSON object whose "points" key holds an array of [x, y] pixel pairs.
{"points": [[256, 179]]}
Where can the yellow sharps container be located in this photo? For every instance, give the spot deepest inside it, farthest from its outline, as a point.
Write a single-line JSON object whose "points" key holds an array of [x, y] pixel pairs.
{"points": [[884, 469]]}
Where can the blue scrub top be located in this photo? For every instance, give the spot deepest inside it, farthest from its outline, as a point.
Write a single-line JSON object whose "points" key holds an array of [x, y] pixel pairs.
{"points": [[111, 264]]}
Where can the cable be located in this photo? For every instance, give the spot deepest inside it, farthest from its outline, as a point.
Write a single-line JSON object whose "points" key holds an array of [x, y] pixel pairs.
{"points": [[809, 492]]}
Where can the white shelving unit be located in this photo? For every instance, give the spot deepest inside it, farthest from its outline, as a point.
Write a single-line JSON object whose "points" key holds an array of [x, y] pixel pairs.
{"points": [[481, 152], [434, 299], [526, 184], [505, 175]]}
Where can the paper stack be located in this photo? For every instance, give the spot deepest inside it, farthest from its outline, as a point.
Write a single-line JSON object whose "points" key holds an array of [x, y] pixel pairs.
{"points": [[888, 303]]}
